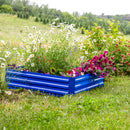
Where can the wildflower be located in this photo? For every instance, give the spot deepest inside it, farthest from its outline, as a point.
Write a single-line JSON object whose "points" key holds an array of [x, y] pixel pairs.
{"points": [[86, 52], [34, 27], [2, 59], [114, 69], [21, 59], [56, 19], [21, 44], [14, 48], [30, 35], [40, 71], [119, 42], [7, 54], [82, 57], [2, 41], [35, 49], [82, 73], [32, 64], [28, 59], [8, 92], [18, 53], [94, 40], [99, 27], [2, 65], [32, 55]]}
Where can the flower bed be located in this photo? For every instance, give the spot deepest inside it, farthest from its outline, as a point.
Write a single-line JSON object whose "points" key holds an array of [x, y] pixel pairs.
{"points": [[55, 85]]}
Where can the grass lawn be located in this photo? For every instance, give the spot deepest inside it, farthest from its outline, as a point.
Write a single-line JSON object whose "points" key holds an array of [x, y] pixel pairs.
{"points": [[127, 36], [102, 108], [12, 27]]}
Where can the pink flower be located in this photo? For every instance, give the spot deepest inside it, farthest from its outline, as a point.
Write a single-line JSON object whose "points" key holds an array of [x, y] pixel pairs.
{"points": [[114, 69], [105, 53]]}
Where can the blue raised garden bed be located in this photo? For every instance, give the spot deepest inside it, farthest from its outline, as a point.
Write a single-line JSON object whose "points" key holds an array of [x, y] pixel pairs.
{"points": [[56, 85]]}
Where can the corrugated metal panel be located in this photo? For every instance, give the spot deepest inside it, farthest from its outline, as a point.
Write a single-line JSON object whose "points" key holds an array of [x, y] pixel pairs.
{"points": [[89, 84], [51, 83]]}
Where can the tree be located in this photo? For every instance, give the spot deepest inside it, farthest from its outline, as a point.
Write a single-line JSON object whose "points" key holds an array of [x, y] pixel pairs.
{"points": [[2, 2], [18, 6]]}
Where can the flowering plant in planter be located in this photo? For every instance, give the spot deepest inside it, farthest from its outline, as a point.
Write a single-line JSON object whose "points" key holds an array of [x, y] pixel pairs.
{"points": [[51, 52], [99, 66]]}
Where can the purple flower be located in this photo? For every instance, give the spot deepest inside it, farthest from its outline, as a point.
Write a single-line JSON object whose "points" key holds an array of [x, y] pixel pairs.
{"points": [[40, 71]]}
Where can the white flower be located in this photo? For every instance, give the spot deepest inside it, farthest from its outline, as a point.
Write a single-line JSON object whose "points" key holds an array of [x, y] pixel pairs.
{"points": [[86, 52], [8, 92], [39, 41], [2, 65], [2, 59], [32, 64], [82, 73], [82, 57], [56, 19], [104, 40], [94, 52], [2, 41], [18, 53], [74, 75], [111, 37], [34, 42], [22, 54], [49, 46], [34, 27], [94, 40], [14, 48], [53, 23], [30, 35], [21, 59], [28, 59], [35, 49], [38, 32], [21, 44], [32, 55], [7, 53]]}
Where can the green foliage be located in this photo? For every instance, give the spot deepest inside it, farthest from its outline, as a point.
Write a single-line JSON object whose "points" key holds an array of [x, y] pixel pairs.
{"points": [[128, 29], [99, 40], [45, 54], [6, 9], [36, 19], [18, 6]]}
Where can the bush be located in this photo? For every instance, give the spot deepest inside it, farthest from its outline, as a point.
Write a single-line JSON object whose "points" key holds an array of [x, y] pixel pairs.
{"points": [[36, 19], [6, 9], [99, 40], [128, 29]]}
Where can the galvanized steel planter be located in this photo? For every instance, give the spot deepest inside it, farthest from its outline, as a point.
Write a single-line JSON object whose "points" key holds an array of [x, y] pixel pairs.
{"points": [[56, 85]]}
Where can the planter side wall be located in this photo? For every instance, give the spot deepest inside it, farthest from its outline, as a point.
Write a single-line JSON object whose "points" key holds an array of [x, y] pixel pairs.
{"points": [[56, 85]]}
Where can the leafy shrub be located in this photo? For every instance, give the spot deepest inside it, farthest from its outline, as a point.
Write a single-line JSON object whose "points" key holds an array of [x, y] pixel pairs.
{"points": [[128, 29], [36, 19], [112, 40], [6, 9]]}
